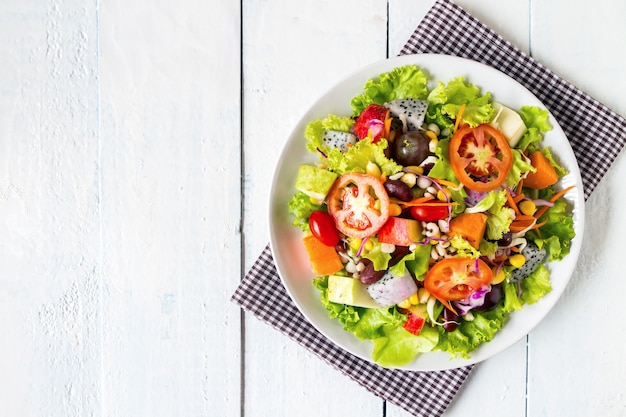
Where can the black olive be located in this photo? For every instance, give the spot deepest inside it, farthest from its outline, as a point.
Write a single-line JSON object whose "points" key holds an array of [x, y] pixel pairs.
{"points": [[506, 239]]}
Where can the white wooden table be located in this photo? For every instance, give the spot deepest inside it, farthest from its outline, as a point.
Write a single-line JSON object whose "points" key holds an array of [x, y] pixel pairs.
{"points": [[137, 142]]}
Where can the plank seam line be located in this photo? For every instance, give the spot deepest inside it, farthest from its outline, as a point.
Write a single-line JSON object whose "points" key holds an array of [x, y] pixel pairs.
{"points": [[242, 321]]}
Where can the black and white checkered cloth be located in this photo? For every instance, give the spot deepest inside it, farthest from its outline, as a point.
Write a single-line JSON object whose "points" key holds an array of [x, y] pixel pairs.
{"points": [[597, 136]]}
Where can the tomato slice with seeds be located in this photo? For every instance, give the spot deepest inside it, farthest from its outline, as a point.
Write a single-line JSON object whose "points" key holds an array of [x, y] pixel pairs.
{"points": [[453, 279], [359, 204], [480, 157]]}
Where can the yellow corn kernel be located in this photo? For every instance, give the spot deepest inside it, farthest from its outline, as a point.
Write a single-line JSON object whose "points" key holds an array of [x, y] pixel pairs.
{"points": [[373, 169], [443, 195], [415, 169], [517, 260], [405, 303], [414, 299], [527, 207], [316, 201], [369, 245], [423, 295], [355, 243], [394, 210], [431, 135], [498, 277]]}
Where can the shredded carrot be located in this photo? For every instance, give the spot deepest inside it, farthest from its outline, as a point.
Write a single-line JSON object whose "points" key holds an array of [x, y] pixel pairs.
{"points": [[457, 122], [555, 197], [426, 204], [516, 228], [511, 202], [538, 225], [414, 201], [518, 198], [519, 225], [520, 185], [524, 217], [499, 259], [387, 129]]}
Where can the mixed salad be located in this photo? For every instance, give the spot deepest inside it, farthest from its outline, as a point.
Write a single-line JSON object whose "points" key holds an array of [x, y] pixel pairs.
{"points": [[430, 214]]}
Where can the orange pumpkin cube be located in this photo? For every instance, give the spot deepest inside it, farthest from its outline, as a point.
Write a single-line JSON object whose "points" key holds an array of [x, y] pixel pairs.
{"points": [[324, 259]]}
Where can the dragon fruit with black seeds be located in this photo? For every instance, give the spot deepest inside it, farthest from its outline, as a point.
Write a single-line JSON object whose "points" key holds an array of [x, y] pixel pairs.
{"points": [[409, 110], [339, 140], [534, 257]]}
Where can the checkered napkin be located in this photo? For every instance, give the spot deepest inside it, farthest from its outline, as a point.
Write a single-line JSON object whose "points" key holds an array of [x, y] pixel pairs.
{"points": [[597, 136]]}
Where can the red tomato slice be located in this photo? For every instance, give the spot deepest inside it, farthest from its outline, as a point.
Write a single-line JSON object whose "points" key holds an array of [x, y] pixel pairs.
{"points": [[359, 204], [453, 279], [429, 213], [323, 228], [480, 157]]}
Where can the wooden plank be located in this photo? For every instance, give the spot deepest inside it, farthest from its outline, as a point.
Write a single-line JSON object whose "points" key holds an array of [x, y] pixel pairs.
{"points": [[49, 251], [576, 363], [170, 129], [293, 52]]}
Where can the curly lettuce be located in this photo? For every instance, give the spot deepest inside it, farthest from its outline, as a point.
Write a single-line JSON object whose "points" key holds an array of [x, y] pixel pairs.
{"points": [[401, 82], [301, 207], [314, 131], [358, 156], [446, 101]]}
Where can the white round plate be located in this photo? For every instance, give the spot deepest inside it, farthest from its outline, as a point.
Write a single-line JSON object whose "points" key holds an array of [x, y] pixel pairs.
{"points": [[285, 240]]}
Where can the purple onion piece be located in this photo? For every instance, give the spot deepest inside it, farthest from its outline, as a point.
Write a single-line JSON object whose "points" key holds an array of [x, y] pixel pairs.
{"points": [[475, 299], [321, 152], [540, 202]]}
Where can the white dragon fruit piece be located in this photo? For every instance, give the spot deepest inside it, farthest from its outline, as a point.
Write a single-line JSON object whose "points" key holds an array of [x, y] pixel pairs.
{"points": [[534, 257], [390, 289], [338, 139], [410, 111]]}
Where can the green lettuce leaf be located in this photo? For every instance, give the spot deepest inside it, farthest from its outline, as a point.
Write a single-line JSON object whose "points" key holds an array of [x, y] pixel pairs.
{"points": [[393, 346], [530, 140], [537, 123], [535, 117], [471, 334], [463, 248], [375, 322], [418, 264], [442, 168], [519, 168], [435, 115], [314, 131], [501, 217], [557, 234], [358, 156], [512, 301], [560, 170], [450, 97], [399, 347], [379, 258], [536, 285], [349, 316], [401, 82], [301, 207]]}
